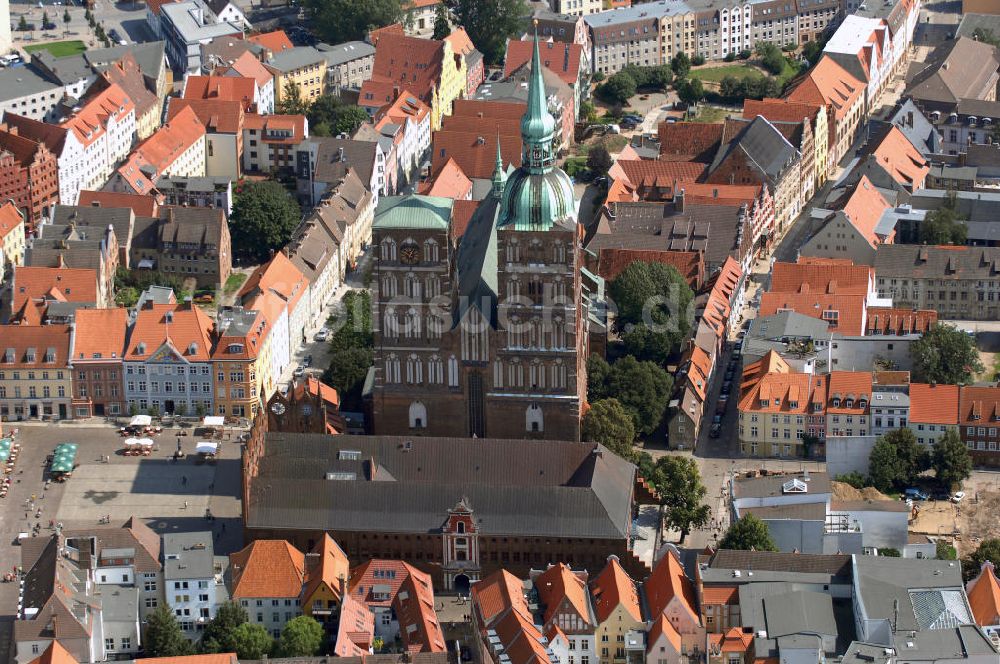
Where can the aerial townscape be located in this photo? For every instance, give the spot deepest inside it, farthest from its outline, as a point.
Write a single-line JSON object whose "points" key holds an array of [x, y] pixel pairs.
{"points": [[500, 331]]}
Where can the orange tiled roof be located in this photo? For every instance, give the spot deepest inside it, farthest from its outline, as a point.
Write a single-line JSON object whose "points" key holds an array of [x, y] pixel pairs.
{"points": [[227, 88], [100, 333], [662, 628], [844, 313], [161, 150], [890, 320], [141, 205], [64, 284], [187, 329], [689, 141], [403, 61], [560, 57], [91, 121], [612, 588], [720, 595], [219, 116], [828, 83], [781, 110], [267, 568], [331, 567], [54, 654], [248, 66], [690, 264], [854, 384], [10, 219], [475, 152], [415, 610], [406, 106], [280, 276], [901, 160], [461, 43], [355, 629], [275, 41], [699, 371], [522, 641], [934, 404], [497, 593], [783, 393], [262, 123], [667, 582], [662, 174], [28, 346], [559, 583], [864, 208], [734, 640], [450, 182], [984, 596], [977, 405], [461, 215], [840, 279]]}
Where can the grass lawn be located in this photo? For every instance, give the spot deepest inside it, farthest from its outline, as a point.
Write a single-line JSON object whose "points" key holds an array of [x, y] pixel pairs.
{"points": [[234, 282], [59, 49], [710, 114], [716, 74]]}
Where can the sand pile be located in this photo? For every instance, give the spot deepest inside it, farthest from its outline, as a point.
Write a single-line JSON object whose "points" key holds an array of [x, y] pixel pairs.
{"points": [[842, 491]]}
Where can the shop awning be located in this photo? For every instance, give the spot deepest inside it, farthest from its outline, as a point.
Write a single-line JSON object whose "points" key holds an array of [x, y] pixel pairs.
{"points": [[205, 447], [214, 421], [141, 421], [64, 457]]}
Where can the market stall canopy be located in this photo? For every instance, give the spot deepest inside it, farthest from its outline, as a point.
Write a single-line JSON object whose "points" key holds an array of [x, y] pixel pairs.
{"points": [[205, 447], [62, 460], [214, 421], [5, 444], [141, 421], [145, 442], [131, 441]]}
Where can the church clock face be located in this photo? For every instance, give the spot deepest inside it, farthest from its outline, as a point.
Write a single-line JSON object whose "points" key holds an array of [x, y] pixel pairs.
{"points": [[278, 408], [409, 254]]}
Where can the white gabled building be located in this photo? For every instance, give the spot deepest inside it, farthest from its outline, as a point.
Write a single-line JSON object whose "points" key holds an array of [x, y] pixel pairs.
{"points": [[70, 154], [192, 579], [106, 128]]}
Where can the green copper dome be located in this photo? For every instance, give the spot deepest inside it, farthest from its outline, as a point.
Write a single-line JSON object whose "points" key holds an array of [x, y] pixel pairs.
{"points": [[537, 194]]}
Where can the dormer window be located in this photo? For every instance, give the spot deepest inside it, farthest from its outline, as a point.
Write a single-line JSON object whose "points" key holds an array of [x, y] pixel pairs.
{"points": [[29, 356], [793, 404], [863, 403], [8, 355], [141, 348], [764, 403], [849, 402], [972, 120], [50, 355], [234, 348], [836, 402], [193, 348]]}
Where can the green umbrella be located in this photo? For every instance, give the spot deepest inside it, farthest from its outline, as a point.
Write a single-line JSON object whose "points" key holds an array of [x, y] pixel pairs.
{"points": [[5, 444]]}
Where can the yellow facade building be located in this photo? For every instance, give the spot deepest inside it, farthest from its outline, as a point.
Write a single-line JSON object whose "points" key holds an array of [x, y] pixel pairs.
{"points": [[616, 605], [304, 67]]}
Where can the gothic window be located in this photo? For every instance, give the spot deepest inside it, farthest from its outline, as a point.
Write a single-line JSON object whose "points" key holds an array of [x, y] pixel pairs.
{"points": [[497, 374], [452, 371], [414, 370], [388, 286], [418, 415], [433, 286], [513, 288], [435, 326], [392, 369], [412, 324], [390, 325], [559, 288], [559, 252], [533, 420], [513, 252], [537, 374], [559, 375], [411, 286], [431, 250], [558, 332], [515, 333], [435, 370], [515, 373], [534, 288], [535, 334], [388, 249]]}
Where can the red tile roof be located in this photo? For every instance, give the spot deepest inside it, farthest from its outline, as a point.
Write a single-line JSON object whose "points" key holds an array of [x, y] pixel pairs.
{"points": [[853, 384], [864, 208], [450, 182], [559, 584], [661, 628], [228, 88], [187, 329], [403, 61], [934, 404], [161, 150], [267, 569], [560, 57], [689, 141], [29, 346], [667, 582], [329, 565], [828, 83], [612, 588], [279, 276], [91, 121], [978, 405], [414, 608], [662, 174], [734, 640], [248, 66], [984, 596], [844, 313], [690, 264], [461, 43], [10, 219], [275, 41], [896, 154], [890, 320], [720, 595], [808, 277], [498, 592], [263, 123], [100, 333], [781, 110], [407, 106], [141, 205], [355, 629], [475, 152], [62, 284], [782, 392], [54, 654], [217, 115], [461, 215]]}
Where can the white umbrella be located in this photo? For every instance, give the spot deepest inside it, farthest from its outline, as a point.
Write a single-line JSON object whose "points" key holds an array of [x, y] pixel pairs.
{"points": [[145, 442], [141, 421], [205, 447], [131, 441]]}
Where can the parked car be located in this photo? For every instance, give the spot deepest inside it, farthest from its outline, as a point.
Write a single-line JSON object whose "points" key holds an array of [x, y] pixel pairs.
{"points": [[322, 335], [715, 431], [308, 361], [726, 387], [299, 371], [957, 498], [915, 494], [717, 419], [117, 38]]}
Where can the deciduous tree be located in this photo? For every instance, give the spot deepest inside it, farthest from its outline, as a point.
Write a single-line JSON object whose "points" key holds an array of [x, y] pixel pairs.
{"points": [[302, 637], [610, 424], [678, 482], [218, 633], [599, 160], [951, 460], [251, 642], [263, 219], [163, 635], [338, 21], [748, 534], [946, 355]]}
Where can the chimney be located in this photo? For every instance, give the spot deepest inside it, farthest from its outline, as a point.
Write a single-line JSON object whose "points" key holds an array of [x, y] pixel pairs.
{"points": [[340, 154], [679, 200]]}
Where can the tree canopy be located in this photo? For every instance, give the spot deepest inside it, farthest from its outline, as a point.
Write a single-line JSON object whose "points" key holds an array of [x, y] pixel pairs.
{"points": [[609, 423], [643, 388], [351, 348], [302, 637], [678, 482], [943, 226], [442, 25], [732, 88], [218, 633], [680, 64], [619, 88], [338, 21], [291, 102], [748, 534], [771, 57], [989, 549], [264, 217], [951, 460], [599, 160], [490, 23], [690, 91], [654, 309], [896, 460], [251, 642], [945, 354], [163, 636]]}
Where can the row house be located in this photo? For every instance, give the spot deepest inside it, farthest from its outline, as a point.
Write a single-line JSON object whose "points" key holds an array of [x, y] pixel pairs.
{"points": [[401, 597], [475, 66], [778, 408], [105, 126], [141, 88], [12, 240], [956, 281], [408, 120], [933, 411], [565, 59], [98, 369], [816, 17], [29, 175], [301, 67], [320, 163], [168, 365], [224, 88], [564, 28], [830, 85], [241, 355], [852, 233], [624, 37], [617, 611], [504, 624], [35, 289], [775, 21], [979, 423], [428, 68], [862, 46], [176, 149], [849, 400], [192, 580], [58, 246], [247, 66], [188, 242], [316, 254], [270, 142], [280, 277], [36, 381], [348, 65], [347, 213], [71, 164], [814, 132], [566, 607], [267, 579], [223, 122]]}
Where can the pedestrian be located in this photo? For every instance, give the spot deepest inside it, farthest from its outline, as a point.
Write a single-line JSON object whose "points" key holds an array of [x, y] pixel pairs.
{"points": [[185, 504], [184, 480], [223, 526]]}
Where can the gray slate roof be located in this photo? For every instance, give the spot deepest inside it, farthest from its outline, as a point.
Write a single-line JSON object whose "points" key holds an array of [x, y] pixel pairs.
{"points": [[790, 324], [764, 145], [342, 53], [194, 556], [917, 128], [17, 82], [296, 58], [958, 69], [919, 262], [516, 487], [767, 486]]}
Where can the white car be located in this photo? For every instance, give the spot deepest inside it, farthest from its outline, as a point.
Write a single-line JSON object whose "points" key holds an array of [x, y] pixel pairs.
{"points": [[322, 335], [958, 496]]}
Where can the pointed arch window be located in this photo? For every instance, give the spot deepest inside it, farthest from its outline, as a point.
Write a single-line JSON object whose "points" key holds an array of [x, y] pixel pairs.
{"points": [[388, 249], [431, 250]]}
